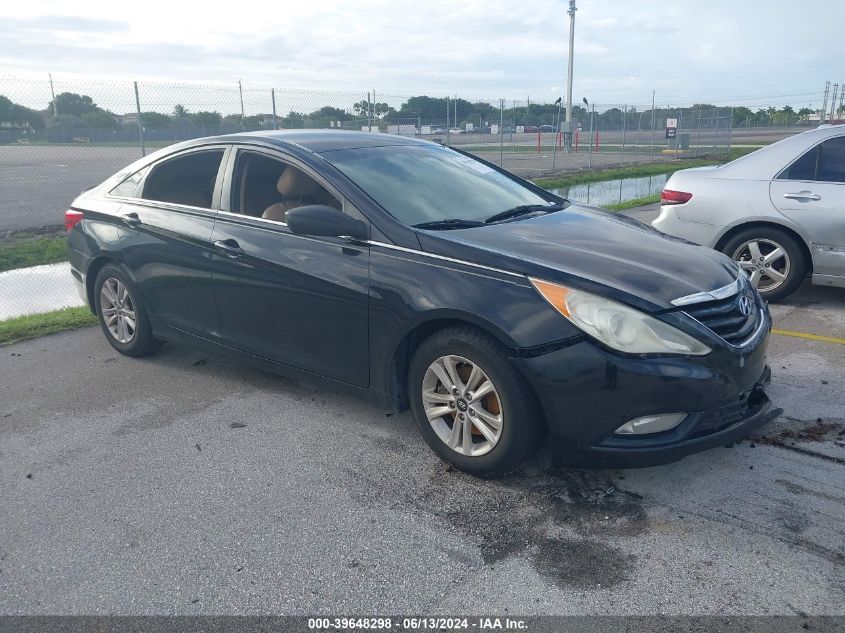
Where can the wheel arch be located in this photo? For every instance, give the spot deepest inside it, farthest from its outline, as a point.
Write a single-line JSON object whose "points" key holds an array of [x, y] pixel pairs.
{"points": [[403, 350], [94, 269], [802, 242]]}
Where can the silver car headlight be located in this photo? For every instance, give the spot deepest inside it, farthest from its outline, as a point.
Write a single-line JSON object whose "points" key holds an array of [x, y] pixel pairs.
{"points": [[618, 326]]}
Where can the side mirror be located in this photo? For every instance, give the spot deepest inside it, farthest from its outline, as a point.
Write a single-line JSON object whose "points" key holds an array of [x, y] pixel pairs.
{"points": [[319, 219]]}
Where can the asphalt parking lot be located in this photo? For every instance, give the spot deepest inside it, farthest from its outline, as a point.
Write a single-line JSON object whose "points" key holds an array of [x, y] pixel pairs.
{"points": [[183, 484]]}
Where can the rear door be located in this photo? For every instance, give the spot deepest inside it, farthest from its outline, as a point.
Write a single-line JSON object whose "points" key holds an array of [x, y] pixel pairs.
{"points": [[811, 193], [166, 223], [296, 300]]}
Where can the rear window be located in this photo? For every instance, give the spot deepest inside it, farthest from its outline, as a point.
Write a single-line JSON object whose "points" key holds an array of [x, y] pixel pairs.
{"points": [[187, 179], [825, 163]]}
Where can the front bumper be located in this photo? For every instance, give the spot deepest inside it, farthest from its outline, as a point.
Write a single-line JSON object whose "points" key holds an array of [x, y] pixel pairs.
{"points": [[588, 392]]}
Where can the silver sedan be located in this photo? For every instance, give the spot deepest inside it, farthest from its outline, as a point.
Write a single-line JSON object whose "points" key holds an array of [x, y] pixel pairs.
{"points": [[778, 212]]}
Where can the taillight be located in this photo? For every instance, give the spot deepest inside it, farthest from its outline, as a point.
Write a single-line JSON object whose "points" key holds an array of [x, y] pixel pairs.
{"points": [[667, 196], [72, 218]]}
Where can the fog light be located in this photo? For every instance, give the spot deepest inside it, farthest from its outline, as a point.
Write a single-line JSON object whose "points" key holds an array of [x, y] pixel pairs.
{"points": [[651, 424]]}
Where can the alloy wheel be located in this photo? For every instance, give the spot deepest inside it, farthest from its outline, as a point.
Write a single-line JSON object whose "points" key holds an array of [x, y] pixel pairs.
{"points": [[766, 262], [118, 310], [462, 405]]}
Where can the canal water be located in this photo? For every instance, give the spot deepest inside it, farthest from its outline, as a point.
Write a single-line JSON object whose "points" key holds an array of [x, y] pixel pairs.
{"points": [[607, 192], [37, 289]]}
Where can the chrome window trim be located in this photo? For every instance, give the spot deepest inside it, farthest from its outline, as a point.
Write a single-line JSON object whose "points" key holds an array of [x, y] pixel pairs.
{"points": [[160, 204], [444, 258], [719, 293]]}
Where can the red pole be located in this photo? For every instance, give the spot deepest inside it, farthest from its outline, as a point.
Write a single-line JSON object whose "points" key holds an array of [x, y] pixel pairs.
{"points": [[597, 141], [538, 142], [576, 140], [559, 143]]}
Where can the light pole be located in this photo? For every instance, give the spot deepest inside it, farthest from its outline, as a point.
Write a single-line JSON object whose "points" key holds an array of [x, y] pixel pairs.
{"points": [[571, 13]]}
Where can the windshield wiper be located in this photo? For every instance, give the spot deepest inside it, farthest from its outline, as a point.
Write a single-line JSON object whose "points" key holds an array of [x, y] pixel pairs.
{"points": [[448, 223], [523, 209]]}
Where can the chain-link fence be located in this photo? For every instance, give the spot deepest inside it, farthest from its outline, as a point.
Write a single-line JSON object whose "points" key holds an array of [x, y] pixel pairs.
{"points": [[58, 137]]}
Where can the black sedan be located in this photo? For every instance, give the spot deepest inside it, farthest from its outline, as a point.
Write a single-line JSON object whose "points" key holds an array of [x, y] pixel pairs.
{"points": [[423, 277]]}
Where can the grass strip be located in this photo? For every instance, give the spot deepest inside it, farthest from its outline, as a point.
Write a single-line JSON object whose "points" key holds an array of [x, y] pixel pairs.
{"points": [[33, 252], [636, 202], [35, 325], [634, 171]]}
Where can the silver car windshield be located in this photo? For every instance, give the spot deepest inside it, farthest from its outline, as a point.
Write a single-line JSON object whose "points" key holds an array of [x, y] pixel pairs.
{"points": [[420, 184]]}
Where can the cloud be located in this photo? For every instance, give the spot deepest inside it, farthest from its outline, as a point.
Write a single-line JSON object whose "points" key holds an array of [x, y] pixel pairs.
{"points": [[690, 51]]}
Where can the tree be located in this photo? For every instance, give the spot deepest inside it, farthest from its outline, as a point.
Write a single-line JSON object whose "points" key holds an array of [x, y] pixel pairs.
{"points": [[329, 113], [72, 104], [155, 120], [19, 116], [180, 111], [207, 119], [100, 119]]}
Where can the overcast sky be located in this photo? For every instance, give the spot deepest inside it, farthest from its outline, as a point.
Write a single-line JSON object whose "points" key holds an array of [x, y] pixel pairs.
{"points": [[720, 51]]}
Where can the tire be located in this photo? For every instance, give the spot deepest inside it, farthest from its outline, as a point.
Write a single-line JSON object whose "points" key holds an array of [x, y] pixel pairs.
{"points": [[508, 397], [121, 300], [792, 263]]}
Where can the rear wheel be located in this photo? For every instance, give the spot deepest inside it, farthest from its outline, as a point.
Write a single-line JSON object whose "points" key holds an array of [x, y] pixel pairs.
{"points": [[772, 259], [471, 405], [123, 317]]}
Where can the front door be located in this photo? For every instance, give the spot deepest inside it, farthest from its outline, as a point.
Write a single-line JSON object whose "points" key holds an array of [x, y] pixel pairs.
{"points": [[811, 193], [296, 300]]}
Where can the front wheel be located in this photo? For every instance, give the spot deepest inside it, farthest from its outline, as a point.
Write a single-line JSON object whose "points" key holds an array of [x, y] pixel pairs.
{"points": [[772, 259], [471, 405]]}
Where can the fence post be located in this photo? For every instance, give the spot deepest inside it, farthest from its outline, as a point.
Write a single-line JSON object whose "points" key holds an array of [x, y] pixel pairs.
{"points": [[241, 92], [624, 129], [447, 120], [140, 125], [273, 99], [698, 136], [501, 132], [590, 159], [731, 131], [678, 132], [652, 126]]}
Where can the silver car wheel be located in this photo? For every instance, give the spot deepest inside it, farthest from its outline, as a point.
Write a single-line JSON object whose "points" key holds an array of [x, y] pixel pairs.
{"points": [[462, 405], [766, 262], [118, 310]]}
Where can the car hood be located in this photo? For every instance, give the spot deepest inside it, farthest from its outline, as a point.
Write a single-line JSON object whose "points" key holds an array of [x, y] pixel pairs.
{"points": [[592, 249]]}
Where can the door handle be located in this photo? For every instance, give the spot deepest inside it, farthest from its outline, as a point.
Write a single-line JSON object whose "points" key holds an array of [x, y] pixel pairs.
{"points": [[131, 219], [802, 195], [230, 246]]}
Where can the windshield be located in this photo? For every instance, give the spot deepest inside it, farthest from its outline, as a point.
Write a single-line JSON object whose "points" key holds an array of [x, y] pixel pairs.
{"points": [[419, 184]]}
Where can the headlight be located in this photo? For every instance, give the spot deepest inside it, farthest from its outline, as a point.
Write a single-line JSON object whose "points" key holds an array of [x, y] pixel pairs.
{"points": [[616, 325]]}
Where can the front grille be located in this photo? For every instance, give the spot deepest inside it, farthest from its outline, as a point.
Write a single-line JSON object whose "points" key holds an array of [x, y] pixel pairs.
{"points": [[725, 317]]}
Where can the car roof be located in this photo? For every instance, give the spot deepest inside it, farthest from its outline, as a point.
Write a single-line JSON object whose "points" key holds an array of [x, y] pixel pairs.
{"points": [[769, 160], [320, 140]]}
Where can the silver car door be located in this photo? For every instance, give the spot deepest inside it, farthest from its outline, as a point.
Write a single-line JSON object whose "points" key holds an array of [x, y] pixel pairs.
{"points": [[811, 193]]}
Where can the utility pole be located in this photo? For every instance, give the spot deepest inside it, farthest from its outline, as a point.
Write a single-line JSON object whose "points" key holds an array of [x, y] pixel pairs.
{"points": [[842, 96], [824, 103], [571, 13], [833, 101]]}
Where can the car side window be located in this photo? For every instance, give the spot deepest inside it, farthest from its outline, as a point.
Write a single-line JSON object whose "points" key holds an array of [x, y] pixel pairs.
{"points": [[804, 168], [832, 160], [266, 187], [187, 179], [129, 187]]}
